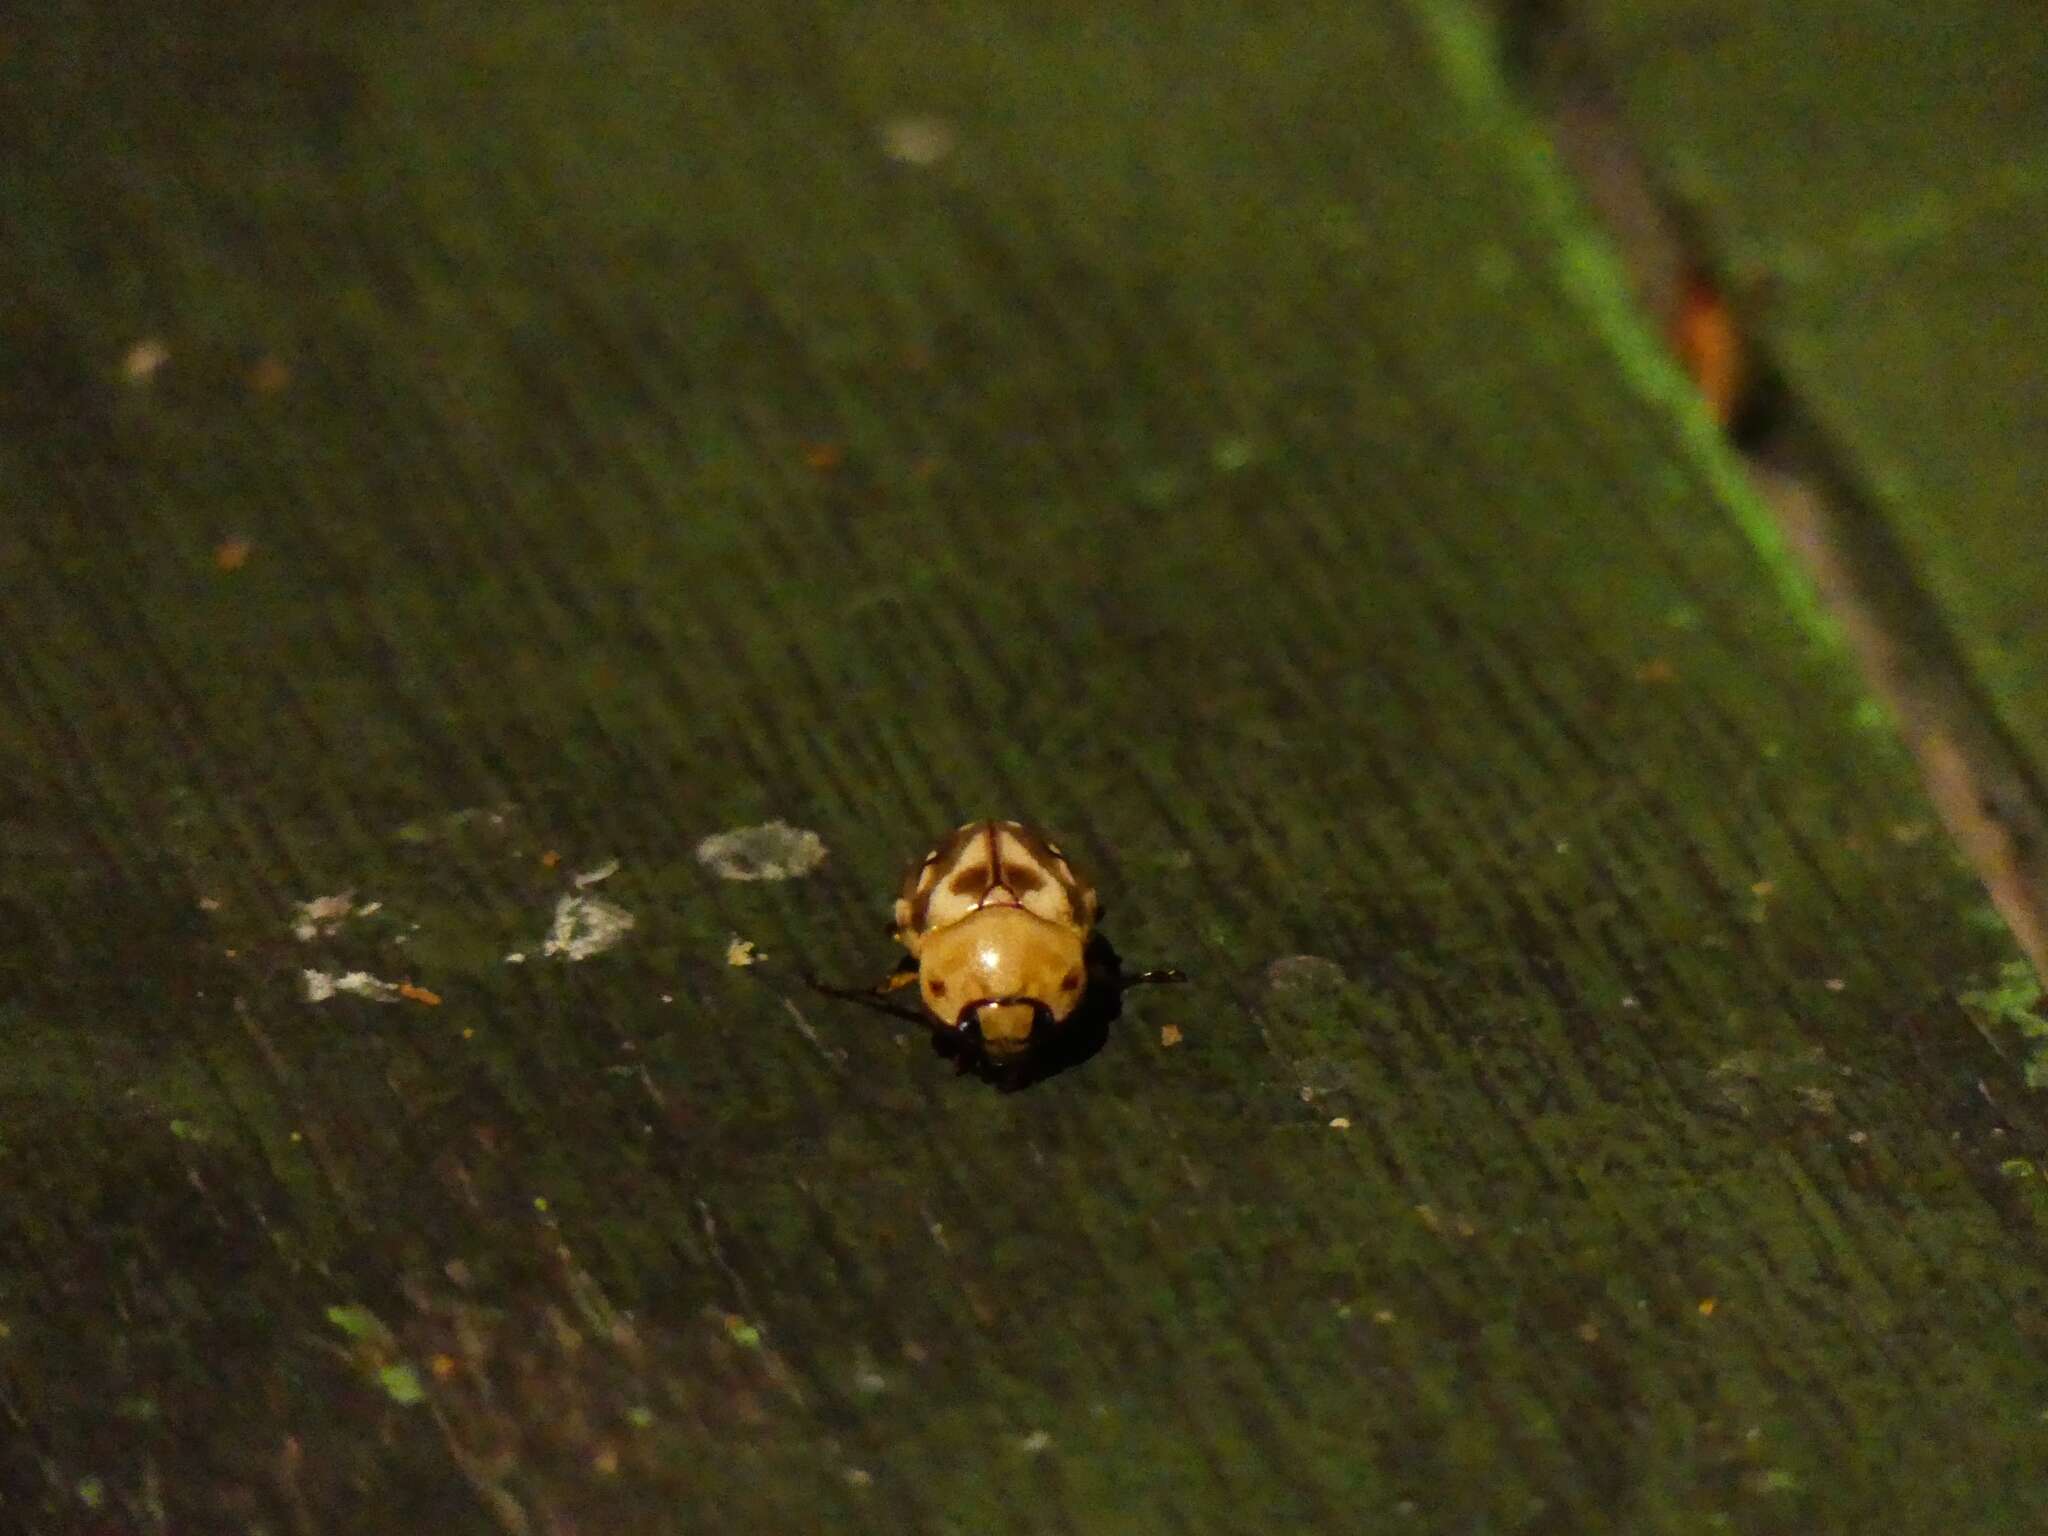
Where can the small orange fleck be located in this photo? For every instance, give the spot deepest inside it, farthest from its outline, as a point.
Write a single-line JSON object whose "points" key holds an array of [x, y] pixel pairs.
{"points": [[1763, 888], [550, 859], [824, 457], [1169, 1035], [268, 375], [1710, 347], [419, 994], [1707, 1305], [443, 1367], [231, 554], [468, 1033], [1656, 670], [1589, 1331], [606, 1461]]}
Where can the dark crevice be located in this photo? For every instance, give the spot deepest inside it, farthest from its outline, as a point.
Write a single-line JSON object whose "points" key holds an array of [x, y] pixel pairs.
{"points": [[1989, 796]]}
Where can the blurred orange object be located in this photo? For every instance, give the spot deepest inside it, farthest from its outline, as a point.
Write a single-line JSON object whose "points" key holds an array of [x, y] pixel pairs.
{"points": [[1710, 347]]}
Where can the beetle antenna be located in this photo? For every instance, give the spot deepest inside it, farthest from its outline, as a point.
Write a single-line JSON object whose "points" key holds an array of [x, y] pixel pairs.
{"points": [[867, 997], [1156, 978]]}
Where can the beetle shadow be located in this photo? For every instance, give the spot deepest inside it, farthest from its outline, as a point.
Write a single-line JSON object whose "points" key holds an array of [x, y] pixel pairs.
{"points": [[1084, 1034]]}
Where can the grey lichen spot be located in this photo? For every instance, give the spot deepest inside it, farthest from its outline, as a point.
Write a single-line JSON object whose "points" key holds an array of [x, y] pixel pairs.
{"points": [[1309, 1021], [585, 926], [1302, 973], [1753, 1081], [772, 851], [321, 985], [1818, 1101], [322, 916], [919, 141]]}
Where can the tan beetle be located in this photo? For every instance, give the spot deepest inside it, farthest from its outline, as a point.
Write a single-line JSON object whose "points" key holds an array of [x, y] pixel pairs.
{"points": [[1000, 931]]}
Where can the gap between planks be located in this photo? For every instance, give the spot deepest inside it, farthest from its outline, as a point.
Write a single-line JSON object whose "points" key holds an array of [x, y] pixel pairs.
{"points": [[1987, 794]]}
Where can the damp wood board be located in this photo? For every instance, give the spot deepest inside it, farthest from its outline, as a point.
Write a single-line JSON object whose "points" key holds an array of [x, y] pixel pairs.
{"points": [[446, 454]]}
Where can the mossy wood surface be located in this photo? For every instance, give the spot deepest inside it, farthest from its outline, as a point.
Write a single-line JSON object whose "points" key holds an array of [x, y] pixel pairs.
{"points": [[576, 434], [1875, 178]]}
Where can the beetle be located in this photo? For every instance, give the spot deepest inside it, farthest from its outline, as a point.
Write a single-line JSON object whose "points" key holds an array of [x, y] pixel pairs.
{"points": [[1000, 937]]}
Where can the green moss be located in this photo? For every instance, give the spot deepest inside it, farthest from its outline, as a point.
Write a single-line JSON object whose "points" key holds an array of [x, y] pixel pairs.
{"points": [[2013, 1006], [358, 1322], [401, 1383]]}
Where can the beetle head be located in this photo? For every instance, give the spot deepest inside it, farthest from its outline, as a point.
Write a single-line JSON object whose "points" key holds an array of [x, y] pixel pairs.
{"points": [[1003, 1025]]}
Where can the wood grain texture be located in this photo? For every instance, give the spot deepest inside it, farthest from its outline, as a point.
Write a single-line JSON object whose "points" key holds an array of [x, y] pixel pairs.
{"points": [[1212, 458], [1875, 190]]}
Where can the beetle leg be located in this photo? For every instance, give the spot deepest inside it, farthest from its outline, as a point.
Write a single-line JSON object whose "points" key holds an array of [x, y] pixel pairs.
{"points": [[967, 1054], [1107, 971]]}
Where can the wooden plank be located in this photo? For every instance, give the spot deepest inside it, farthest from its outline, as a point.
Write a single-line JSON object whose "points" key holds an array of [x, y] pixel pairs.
{"points": [[582, 435], [1875, 189]]}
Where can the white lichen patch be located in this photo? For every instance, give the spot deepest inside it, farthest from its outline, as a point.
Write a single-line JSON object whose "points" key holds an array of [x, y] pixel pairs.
{"points": [[917, 140], [591, 877], [321, 985], [322, 916], [772, 851], [585, 926], [141, 362]]}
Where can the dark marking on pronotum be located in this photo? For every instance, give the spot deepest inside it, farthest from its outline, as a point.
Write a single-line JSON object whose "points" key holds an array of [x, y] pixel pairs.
{"points": [[1054, 862], [994, 834], [922, 880]]}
